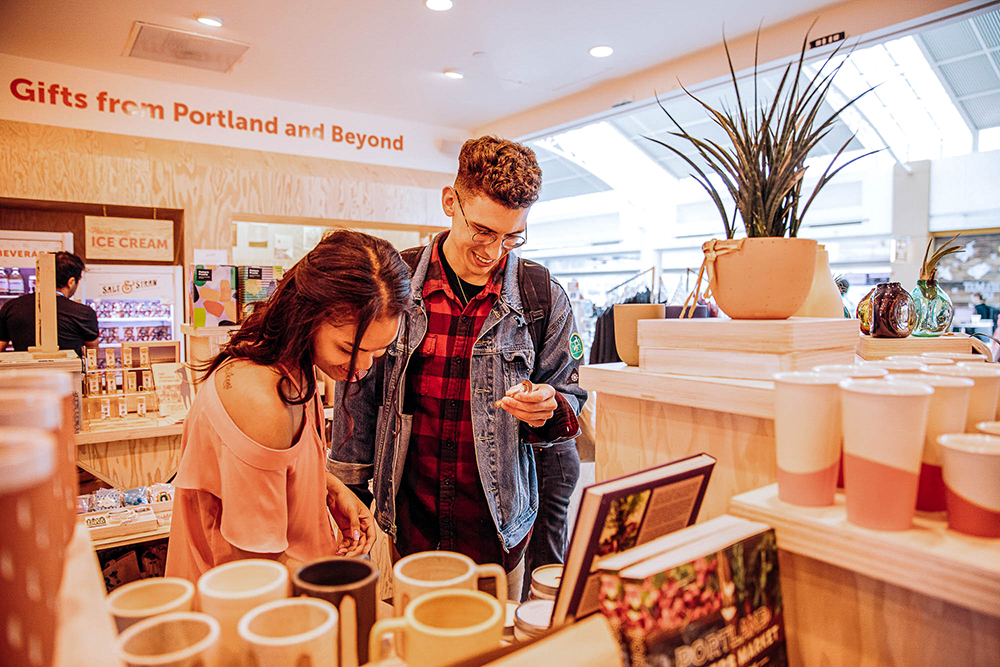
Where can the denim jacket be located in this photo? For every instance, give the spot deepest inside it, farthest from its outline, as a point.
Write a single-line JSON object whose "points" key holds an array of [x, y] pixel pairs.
{"points": [[502, 356]]}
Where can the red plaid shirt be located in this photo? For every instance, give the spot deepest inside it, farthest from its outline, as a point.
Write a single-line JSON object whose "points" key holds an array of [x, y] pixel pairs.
{"points": [[441, 503]]}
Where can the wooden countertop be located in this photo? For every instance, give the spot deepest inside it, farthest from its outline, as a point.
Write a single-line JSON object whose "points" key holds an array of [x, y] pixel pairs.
{"points": [[754, 398], [86, 634], [929, 558]]}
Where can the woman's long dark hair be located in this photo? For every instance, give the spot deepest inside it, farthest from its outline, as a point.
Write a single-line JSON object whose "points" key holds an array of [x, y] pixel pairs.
{"points": [[347, 277]]}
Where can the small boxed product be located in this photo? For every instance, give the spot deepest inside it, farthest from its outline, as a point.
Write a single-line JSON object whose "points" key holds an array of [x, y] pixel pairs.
{"points": [[130, 383], [91, 359], [213, 296], [111, 382], [136, 496], [147, 380], [109, 358], [105, 409], [122, 407], [140, 406], [144, 356], [93, 384], [256, 284], [126, 356]]}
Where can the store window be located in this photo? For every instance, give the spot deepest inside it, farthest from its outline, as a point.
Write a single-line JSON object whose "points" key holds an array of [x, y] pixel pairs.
{"points": [[619, 214]]}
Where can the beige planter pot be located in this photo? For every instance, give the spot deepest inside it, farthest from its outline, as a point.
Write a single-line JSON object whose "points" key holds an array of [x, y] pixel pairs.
{"points": [[627, 316], [761, 278]]}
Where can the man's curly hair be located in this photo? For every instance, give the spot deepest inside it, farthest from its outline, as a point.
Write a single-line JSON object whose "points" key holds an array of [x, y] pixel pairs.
{"points": [[505, 171]]}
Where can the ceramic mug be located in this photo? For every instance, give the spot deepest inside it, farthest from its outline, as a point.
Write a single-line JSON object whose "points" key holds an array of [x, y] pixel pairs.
{"points": [[884, 427], [972, 483], [807, 435], [337, 579], [291, 633], [226, 592], [181, 639], [145, 598], [443, 627], [427, 571], [30, 569]]}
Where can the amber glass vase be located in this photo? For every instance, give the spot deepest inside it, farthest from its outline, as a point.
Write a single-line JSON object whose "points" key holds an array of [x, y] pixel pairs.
{"points": [[887, 312]]}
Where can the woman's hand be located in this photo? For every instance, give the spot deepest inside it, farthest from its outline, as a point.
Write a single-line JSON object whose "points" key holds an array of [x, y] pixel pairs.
{"points": [[356, 523]]}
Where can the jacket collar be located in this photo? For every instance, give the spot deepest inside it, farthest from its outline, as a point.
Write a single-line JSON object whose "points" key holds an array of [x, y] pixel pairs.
{"points": [[510, 294]]}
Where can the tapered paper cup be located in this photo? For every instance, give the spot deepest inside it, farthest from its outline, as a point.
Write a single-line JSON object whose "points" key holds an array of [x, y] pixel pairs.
{"points": [[852, 371], [897, 367], [957, 357], [807, 436], [989, 428], [146, 598], [926, 361], [972, 483], [884, 428], [180, 639], [983, 401], [947, 414]]}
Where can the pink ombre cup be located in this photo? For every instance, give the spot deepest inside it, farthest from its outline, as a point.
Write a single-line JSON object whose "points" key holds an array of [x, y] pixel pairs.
{"points": [[983, 401], [957, 357], [947, 414], [807, 436], [884, 426], [897, 367], [972, 482], [926, 361]]}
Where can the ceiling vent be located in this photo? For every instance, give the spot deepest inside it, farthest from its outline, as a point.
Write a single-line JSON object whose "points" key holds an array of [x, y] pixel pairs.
{"points": [[181, 47]]}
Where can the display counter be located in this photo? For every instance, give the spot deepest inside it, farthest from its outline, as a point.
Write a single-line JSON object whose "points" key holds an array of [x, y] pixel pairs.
{"points": [[645, 419], [853, 596]]}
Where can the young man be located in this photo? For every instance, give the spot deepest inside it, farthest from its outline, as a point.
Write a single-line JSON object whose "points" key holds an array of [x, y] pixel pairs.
{"points": [[443, 426], [77, 323]]}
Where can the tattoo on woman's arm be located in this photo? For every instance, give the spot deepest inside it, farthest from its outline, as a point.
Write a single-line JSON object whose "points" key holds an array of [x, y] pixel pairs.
{"points": [[227, 378]]}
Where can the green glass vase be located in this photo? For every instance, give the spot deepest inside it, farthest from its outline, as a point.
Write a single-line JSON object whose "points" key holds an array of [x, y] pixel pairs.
{"points": [[934, 309]]}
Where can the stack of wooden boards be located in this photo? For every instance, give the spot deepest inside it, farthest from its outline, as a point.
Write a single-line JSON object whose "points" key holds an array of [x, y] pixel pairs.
{"points": [[744, 349]]}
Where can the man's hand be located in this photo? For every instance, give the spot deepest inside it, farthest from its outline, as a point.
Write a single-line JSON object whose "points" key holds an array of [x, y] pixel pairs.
{"points": [[355, 520], [534, 404]]}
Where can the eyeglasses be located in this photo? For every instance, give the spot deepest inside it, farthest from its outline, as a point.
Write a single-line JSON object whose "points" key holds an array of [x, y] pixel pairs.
{"points": [[489, 237]]}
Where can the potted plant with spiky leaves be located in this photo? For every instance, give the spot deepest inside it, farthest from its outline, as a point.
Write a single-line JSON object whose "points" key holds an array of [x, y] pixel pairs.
{"points": [[766, 275], [933, 305]]}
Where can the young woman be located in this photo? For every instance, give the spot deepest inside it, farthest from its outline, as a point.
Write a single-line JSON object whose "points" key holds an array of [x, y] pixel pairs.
{"points": [[252, 480]]}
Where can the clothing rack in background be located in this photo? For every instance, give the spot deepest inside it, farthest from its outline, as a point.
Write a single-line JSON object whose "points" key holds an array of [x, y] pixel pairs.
{"points": [[614, 296]]}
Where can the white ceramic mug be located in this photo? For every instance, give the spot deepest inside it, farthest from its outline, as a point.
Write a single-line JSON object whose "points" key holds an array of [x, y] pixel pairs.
{"points": [[807, 435], [884, 427], [947, 414], [428, 571], [290, 633], [145, 598], [226, 592], [180, 639], [972, 483], [443, 627]]}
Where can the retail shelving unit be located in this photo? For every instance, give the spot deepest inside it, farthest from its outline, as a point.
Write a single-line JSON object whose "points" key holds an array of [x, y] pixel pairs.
{"points": [[853, 596]]}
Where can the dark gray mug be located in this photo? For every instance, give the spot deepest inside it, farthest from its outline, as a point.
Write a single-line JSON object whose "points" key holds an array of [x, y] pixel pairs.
{"points": [[336, 577]]}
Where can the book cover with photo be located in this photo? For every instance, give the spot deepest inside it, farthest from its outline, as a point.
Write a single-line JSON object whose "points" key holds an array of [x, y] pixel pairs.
{"points": [[620, 514], [713, 601]]}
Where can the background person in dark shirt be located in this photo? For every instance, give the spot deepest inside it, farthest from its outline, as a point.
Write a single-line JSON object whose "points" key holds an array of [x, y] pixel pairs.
{"points": [[77, 323]]}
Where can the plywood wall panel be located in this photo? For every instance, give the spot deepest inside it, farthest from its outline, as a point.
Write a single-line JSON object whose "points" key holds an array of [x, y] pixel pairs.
{"points": [[211, 185]]}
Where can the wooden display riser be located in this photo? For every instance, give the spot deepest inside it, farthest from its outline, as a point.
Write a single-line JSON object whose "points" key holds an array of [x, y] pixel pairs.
{"points": [[131, 457], [873, 349], [646, 419]]}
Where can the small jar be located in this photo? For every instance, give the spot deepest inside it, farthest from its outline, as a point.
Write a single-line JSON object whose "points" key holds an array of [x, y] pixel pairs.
{"points": [[532, 618], [545, 582]]}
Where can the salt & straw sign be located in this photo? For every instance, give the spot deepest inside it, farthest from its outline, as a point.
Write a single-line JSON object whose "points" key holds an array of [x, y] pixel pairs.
{"points": [[132, 239]]}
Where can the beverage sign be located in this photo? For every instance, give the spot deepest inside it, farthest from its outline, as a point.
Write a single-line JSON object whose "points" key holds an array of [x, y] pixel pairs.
{"points": [[131, 239], [22, 253]]}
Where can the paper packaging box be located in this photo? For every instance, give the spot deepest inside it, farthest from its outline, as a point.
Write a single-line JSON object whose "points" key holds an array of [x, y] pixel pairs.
{"points": [[147, 381], [255, 284], [94, 384], [122, 407], [91, 359], [111, 381], [126, 357], [105, 409], [131, 385], [140, 405], [143, 356], [109, 358], [213, 296]]}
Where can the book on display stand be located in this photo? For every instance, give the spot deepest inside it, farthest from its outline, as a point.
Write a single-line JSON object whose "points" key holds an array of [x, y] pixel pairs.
{"points": [[623, 513]]}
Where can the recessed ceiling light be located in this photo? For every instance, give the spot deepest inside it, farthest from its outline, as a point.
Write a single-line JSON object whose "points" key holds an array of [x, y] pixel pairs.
{"points": [[454, 74], [213, 21], [439, 5], [601, 51]]}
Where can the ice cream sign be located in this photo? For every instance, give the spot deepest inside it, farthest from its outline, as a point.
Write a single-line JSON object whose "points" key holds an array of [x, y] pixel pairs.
{"points": [[130, 239]]}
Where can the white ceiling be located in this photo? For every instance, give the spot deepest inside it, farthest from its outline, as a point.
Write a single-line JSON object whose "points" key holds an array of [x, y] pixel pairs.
{"points": [[385, 57]]}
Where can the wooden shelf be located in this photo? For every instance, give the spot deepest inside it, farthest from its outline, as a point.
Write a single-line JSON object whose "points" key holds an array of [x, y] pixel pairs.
{"points": [[135, 538], [86, 633], [124, 432], [189, 330], [929, 558], [754, 398]]}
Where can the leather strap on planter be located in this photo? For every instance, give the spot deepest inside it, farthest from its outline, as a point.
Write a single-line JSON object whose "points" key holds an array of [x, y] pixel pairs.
{"points": [[712, 250]]}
